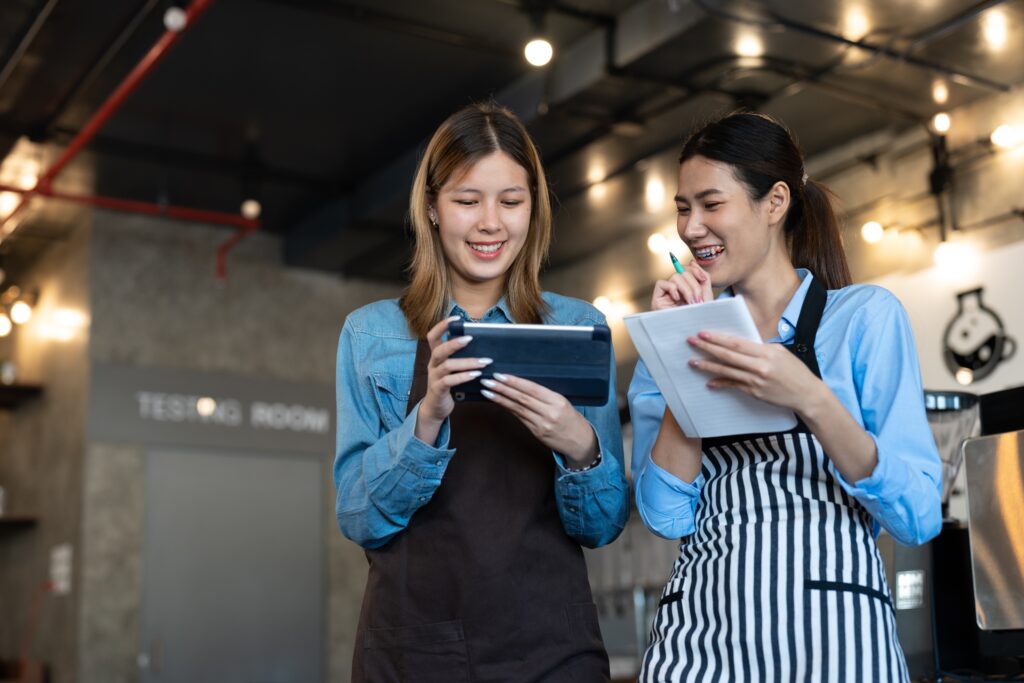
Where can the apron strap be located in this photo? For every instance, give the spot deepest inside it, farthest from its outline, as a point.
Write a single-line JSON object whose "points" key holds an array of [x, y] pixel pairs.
{"points": [[419, 375], [807, 326]]}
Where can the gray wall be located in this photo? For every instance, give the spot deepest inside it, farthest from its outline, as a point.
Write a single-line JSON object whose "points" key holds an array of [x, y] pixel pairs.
{"points": [[156, 303], [41, 453]]}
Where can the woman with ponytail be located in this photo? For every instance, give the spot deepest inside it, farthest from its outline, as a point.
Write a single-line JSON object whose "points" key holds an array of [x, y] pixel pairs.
{"points": [[779, 577]]}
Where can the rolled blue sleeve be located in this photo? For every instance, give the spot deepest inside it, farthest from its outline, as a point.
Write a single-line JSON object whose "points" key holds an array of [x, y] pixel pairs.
{"points": [[382, 476], [904, 492], [666, 503], [594, 503]]}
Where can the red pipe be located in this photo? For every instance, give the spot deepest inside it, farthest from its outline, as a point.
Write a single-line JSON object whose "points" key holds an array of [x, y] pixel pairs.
{"points": [[132, 81], [132, 206]]}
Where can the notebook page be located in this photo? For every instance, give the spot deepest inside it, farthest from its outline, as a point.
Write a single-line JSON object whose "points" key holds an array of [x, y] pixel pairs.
{"points": [[718, 412], [645, 348]]}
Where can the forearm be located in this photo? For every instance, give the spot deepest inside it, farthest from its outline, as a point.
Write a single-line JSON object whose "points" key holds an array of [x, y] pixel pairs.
{"points": [[850, 448], [675, 452]]}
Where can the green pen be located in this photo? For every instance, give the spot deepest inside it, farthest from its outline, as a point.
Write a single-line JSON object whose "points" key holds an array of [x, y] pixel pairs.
{"points": [[675, 262]]}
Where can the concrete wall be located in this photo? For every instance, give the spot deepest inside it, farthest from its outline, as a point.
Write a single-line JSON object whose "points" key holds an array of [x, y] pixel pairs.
{"points": [[156, 303], [41, 452]]}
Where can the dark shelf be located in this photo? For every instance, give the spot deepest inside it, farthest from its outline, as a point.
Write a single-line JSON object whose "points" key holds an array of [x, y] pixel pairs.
{"points": [[13, 395]]}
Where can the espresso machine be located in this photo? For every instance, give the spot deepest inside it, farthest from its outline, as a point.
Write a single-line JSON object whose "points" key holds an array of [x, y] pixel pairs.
{"points": [[959, 599]]}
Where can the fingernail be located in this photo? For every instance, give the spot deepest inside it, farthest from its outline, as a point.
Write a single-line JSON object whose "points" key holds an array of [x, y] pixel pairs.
{"points": [[476, 373], [465, 340], [691, 340], [484, 361], [487, 394], [694, 363], [712, 385], [704, 335], [489, 383], [500, 377]]}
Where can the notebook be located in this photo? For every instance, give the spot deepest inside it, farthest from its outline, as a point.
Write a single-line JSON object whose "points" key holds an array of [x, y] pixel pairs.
{"points": [[660, 337]]}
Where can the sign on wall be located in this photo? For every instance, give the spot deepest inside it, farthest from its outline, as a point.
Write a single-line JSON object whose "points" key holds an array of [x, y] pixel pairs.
{"points": [[176, 407], [975, 341]]}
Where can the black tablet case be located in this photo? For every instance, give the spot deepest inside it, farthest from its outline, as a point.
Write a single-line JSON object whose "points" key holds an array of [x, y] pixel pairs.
{"points": [[573, 362]]}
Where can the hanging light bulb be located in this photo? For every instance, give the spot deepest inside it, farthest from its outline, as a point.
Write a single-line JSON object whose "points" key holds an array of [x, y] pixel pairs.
{"points": [[538, 51], [21, 312], [940, 91], [175, 19], [872, 232], [603, 304], [941, 123], [251, 209], [657, 243], [5, 324], [1005, 136]]}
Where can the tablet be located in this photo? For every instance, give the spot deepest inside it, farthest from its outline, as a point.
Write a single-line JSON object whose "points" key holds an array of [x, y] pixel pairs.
{"points": [[571, 360]]}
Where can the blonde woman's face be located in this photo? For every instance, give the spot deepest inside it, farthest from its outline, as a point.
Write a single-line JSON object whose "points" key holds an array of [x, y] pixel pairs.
{"points": [[483, 216]]}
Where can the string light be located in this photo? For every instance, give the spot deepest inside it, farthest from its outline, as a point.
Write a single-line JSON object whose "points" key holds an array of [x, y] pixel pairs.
{"points": [[941, 122], [538, 52], [1005, 136], [749, 45], [940, 91]]}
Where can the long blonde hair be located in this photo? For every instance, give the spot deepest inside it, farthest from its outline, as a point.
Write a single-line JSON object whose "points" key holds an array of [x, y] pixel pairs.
{"points": [[464, 138]]}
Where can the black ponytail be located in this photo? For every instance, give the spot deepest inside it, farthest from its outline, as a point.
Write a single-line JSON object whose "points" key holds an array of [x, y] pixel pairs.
{"points": [[763, 152]]}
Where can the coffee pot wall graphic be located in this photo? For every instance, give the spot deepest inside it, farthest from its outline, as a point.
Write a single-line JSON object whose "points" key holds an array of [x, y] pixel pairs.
{"points": [[975, 341]]}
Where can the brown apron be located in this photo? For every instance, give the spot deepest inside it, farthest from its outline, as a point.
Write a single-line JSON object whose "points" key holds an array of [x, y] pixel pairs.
{"points": [[483, 584]]}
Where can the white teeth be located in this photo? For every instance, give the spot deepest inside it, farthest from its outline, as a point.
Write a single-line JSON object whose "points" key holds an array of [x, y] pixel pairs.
{"points": [[486, 248], [708, 252]]}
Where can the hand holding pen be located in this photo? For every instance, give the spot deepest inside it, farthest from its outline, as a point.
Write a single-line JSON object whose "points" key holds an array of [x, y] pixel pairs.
{"points": [[689, 285]]}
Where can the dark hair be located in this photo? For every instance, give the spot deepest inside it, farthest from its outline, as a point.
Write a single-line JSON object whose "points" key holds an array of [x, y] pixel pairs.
{"points": [[465, 137], [763, 152]]}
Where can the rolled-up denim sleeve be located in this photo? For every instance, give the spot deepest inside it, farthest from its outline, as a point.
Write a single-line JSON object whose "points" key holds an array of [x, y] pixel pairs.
{"points": [[904, 492], [594, 503], [666, 503], [382, 476]]}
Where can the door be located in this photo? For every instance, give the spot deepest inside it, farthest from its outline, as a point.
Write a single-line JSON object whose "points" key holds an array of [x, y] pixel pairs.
{"points": [[233, 568]]}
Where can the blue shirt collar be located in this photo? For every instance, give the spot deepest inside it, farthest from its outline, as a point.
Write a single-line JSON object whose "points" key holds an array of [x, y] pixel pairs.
{"points": [[787, 323], [498, 313]]}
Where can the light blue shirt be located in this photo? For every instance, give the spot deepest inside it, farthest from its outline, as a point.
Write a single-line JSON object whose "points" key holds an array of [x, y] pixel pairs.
{"points": [[866, 354], [384, 474]]}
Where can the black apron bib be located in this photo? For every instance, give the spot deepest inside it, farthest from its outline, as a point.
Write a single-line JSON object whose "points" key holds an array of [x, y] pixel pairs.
{"points": [[483, 584]]}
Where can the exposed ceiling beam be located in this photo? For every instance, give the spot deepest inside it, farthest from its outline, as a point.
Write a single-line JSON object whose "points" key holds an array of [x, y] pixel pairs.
{"points": [[320, 241]]}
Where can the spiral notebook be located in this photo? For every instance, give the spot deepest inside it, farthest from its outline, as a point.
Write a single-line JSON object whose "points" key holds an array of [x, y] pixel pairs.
{"points": [[660, 337]]}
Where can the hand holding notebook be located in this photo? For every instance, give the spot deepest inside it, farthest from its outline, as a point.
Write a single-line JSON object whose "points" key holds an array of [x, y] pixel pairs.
{"points": [[660, 337]]}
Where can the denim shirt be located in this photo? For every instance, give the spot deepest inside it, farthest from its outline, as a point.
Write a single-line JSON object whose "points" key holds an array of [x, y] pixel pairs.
{"points": [[867, 357], [384, 474]]}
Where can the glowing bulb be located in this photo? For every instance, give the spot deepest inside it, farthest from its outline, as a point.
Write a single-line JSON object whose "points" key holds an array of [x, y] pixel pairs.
{"points": [[538, 52], [8, 200], [598, 191], [749, 45], [5, 325], [603, 304], [872, 232], [21, 312], [964, 376], [857, 24], [956, 255], [251, 209], [596, 173], [175, 19], [993, 27], [654, 193], [941, 122], [940, 92], [1005, 136], [657, 243], [206, 406]]}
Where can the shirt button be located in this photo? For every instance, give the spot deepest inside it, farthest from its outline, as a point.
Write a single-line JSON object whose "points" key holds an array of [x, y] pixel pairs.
{"points": [[438, 463], [572, 509], [784, 327], [422, 498]]}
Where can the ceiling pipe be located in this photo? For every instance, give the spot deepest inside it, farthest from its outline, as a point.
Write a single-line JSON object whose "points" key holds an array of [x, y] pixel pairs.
{"points": [[44, 185], [184, 213]]}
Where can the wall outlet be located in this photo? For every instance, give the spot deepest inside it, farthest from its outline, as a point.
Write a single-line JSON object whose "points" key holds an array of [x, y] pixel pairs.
{"points": [[60, 569]]}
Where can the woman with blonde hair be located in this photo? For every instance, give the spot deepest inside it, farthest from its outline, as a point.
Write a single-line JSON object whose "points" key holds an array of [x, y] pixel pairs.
{"points": [[472, 514]]}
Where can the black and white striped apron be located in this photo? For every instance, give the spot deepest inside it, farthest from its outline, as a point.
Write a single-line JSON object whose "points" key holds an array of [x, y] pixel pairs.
{"points": [[781, 579]]}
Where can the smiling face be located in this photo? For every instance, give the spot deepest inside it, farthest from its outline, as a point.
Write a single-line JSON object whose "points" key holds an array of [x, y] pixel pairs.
{"points": [[730, 235], [483, 216]]}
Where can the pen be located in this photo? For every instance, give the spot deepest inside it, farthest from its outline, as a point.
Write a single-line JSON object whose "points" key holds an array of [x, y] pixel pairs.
{"points": [[675, 263]]}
